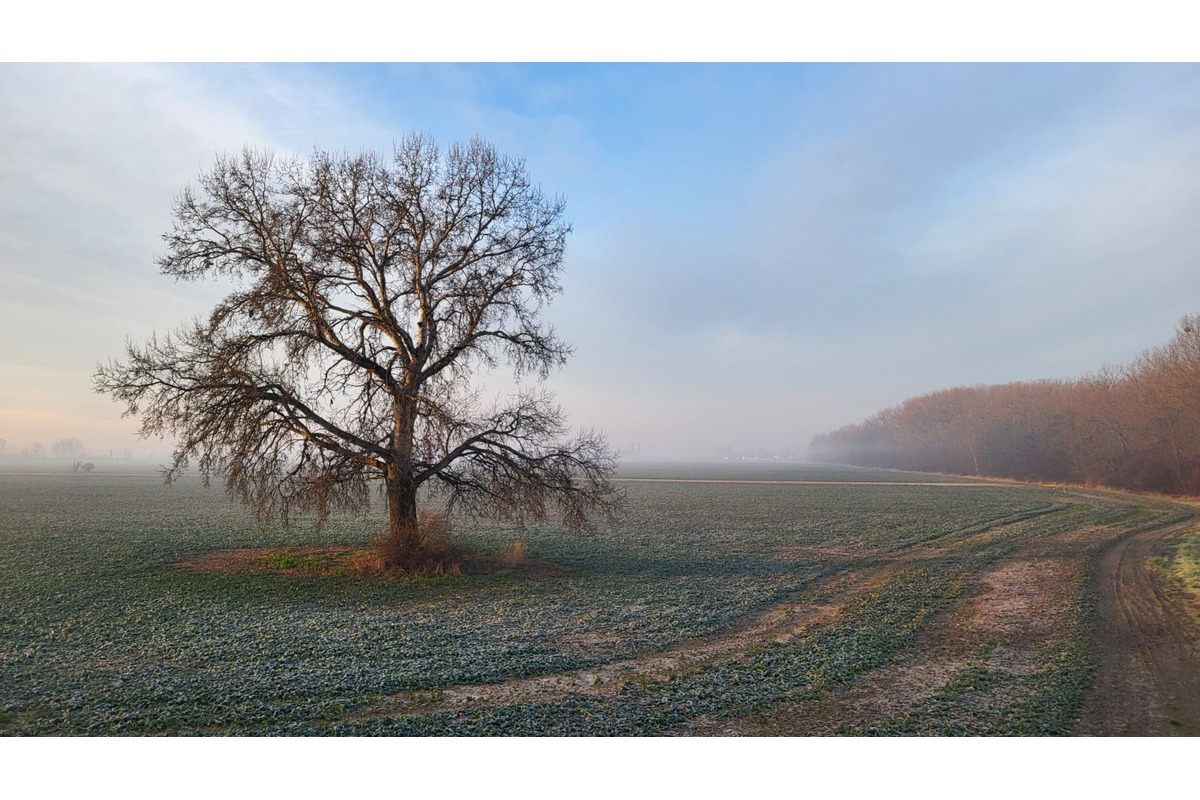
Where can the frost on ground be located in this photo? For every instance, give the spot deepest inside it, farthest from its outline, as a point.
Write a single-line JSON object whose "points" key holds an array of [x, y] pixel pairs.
{"points": [[781, 607]]}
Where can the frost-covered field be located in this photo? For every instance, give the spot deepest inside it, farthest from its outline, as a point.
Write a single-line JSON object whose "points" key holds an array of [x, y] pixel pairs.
{"points": [[100, 632]]}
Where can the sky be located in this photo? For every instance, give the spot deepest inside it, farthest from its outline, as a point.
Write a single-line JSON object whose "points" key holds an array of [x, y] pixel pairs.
{"points": [[760, 253]]}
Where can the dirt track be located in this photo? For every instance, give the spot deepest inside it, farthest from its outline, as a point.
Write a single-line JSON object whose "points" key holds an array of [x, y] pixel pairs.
{"points": [[779, 624], [1149, 681]]}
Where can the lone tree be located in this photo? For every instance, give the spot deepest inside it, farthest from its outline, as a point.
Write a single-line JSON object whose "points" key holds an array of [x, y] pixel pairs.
{"points": [[370, 289]]}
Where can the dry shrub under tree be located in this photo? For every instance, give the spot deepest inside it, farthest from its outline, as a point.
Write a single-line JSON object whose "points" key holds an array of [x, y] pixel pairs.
{"points": [[435, 553]]}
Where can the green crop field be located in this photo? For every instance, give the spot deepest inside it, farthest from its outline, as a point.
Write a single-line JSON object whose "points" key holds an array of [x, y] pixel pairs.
{"points": [[101, 632]]}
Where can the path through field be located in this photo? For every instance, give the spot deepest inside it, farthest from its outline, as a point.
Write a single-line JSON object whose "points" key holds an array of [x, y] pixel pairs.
{"points": [[1149, 682]]}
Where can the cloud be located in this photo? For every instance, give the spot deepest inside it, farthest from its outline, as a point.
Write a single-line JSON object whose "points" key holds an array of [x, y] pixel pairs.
{"points": [[935, 227], [94, 156]]}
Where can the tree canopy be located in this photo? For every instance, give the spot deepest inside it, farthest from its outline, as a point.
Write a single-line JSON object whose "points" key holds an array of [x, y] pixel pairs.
{"points": [[371, 289]]}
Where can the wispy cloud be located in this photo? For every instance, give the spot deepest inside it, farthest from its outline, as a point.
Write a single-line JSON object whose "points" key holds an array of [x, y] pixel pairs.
{"points": [[93, 158]]}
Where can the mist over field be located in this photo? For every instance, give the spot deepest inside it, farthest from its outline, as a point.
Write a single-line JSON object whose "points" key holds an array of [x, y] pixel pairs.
{"points": [[759, 253]]}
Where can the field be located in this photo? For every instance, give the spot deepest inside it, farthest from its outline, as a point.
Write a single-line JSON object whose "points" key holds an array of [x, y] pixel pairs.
{"points": [[733, 599]]}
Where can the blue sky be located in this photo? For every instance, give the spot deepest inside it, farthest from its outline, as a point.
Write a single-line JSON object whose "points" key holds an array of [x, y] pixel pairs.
{"points": [[760, 252]]}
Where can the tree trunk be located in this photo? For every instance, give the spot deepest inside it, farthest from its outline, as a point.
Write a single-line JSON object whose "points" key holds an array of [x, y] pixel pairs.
{"points": [[402, 510], [404, 539]]}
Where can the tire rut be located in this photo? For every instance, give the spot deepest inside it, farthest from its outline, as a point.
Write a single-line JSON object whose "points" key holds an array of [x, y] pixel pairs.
{"points": [[779, 623]]}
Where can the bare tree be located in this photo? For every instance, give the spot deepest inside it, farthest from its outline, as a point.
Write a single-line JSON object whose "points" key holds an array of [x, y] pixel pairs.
{"points": [[35, 450], [3, 446], [69, 447], [370, 291]]}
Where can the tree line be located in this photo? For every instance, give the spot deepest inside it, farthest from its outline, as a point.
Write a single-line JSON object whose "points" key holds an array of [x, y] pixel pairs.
{"points": [[70, 447], [1135, 427]]}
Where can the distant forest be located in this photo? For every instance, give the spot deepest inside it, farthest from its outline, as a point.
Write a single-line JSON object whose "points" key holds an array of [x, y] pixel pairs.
{"points": [[1136, 427]]}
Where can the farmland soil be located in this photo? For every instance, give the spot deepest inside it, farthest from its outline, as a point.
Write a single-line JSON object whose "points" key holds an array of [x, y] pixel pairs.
{"points": [[325, 561]]}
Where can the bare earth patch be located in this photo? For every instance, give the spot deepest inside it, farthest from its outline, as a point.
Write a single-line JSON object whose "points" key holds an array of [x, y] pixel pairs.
{"points": [[250, 559], [326, 561]]}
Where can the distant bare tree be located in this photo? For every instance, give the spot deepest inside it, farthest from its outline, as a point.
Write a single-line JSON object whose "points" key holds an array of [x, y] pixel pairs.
{"points": [[35, 450], [67, 448], [3, 446], [372, 288], [82, 466]]}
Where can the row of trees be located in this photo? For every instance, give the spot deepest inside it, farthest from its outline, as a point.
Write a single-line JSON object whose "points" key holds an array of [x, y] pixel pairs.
{"points": [[1136, 427], [69, 447]]}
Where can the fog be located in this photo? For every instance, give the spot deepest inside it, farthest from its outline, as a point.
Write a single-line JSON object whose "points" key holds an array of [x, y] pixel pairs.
{"points": [[759, 254]]}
